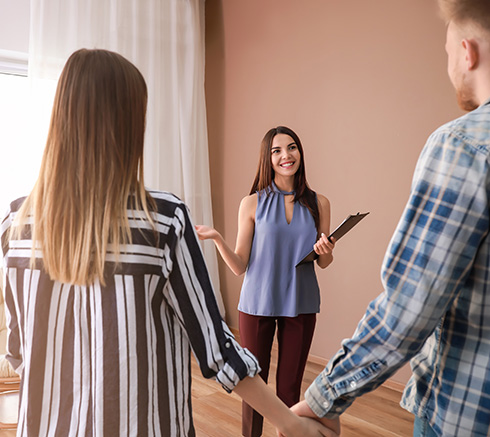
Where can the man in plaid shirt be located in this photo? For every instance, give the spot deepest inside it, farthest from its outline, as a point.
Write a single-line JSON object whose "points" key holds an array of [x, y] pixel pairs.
{"points": [[435, 308]]}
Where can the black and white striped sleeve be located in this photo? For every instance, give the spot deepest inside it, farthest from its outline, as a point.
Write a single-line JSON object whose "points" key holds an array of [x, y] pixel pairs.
{"points": [[191, 294]]}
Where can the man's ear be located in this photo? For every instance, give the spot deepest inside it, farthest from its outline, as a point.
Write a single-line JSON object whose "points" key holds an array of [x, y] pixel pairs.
{"points": [[472, 54]]}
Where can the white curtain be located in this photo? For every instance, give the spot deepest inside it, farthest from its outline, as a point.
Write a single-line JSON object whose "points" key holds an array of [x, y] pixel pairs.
{"points": [[165, 40]]}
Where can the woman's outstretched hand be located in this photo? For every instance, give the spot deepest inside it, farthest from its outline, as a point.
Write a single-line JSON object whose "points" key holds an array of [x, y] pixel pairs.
{"points": [[237, 262], [206, 232]]}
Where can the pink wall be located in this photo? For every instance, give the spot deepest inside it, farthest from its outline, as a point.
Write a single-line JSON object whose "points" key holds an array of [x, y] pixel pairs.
{"points": [[363, 84]]}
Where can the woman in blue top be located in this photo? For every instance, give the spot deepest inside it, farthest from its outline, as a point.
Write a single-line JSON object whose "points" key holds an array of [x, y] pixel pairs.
{"points": [[279, 223]]}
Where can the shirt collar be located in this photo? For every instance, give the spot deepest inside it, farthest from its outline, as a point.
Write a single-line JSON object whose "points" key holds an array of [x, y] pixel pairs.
{"points": [[277, 190]]}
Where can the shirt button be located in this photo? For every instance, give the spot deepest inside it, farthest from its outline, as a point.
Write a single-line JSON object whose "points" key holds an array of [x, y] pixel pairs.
{"points": [[326, 404], [227, 345], [353, 384]]}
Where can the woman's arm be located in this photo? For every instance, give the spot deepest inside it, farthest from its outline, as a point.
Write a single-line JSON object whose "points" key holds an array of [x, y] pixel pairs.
{"points": [[323, 246], [256, 393], [237, 260]]}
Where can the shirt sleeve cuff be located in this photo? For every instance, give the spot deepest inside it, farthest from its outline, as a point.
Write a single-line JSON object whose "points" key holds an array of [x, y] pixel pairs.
{"points": [[228, 376], [322, 400], [316, 399]]}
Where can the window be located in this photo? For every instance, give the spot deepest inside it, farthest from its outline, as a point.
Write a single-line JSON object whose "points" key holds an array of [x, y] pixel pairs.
{"points": [[24, 114], [24, 119]]}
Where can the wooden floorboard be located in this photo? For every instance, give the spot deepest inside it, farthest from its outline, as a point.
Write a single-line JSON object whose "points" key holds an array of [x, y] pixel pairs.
{"points": [[218, 414], [376, 414]]}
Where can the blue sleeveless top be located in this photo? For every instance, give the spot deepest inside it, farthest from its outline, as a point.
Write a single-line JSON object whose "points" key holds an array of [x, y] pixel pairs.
{"points": [[273, 286]]}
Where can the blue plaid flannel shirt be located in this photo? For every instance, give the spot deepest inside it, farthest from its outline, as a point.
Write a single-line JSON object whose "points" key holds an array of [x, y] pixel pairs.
{"points": [[435, 308]]}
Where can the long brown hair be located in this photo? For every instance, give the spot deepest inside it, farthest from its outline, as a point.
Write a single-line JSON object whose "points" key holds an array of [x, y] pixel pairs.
{"points": [[92, 165], [265, 173]]}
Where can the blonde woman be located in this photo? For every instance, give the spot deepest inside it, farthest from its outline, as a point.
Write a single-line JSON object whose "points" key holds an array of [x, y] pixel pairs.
{"points": [[106, 287]]}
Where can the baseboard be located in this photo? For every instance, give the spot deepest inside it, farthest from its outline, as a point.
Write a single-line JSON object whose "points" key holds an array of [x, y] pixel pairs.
{"points": [[317, 360]]}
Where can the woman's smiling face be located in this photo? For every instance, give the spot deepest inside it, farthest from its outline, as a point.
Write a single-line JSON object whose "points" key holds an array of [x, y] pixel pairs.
{"points": [[285, 156]]}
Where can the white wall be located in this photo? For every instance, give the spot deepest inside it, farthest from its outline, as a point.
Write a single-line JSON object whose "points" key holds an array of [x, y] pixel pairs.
{"points": [[14, 25]]}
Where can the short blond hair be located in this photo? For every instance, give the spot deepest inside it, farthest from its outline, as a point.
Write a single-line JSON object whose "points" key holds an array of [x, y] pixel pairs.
{"points": [[466, 12]]}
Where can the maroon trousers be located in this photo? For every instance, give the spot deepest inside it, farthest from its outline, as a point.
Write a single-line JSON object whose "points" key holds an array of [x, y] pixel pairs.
{"points": [[294, 336]]}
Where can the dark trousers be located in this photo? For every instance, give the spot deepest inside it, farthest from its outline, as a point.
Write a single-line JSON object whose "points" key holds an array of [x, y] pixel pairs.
{"points": [[294, 336]]}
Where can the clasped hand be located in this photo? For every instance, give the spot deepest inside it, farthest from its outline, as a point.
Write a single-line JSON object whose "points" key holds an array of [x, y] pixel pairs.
{"points": [[328, 428]]}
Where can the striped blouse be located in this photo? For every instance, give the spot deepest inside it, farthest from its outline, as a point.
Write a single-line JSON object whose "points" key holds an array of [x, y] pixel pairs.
{"points": [[114, 360]]}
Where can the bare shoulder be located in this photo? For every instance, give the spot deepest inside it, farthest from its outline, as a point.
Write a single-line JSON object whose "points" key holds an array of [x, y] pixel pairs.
{"points": [[324, 210], [248, 205], [323, 202], [249, 201]]}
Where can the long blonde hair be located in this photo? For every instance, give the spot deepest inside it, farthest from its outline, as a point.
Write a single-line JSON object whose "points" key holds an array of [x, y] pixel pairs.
{"points": [[92, 167]]}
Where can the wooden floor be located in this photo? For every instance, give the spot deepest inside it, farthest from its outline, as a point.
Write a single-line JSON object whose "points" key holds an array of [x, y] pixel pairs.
{"points": [[218, 414], [377, 414]]}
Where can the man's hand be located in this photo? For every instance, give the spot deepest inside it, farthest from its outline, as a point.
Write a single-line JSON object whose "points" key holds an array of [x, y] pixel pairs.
{"points": [[303, 409]]}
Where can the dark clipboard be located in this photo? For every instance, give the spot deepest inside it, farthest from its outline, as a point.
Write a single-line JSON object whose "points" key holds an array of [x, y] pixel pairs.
{"points": [[338, 233]]}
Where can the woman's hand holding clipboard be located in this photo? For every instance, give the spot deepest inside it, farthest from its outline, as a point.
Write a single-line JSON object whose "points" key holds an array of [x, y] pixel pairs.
{"points": [[338, 233]]}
